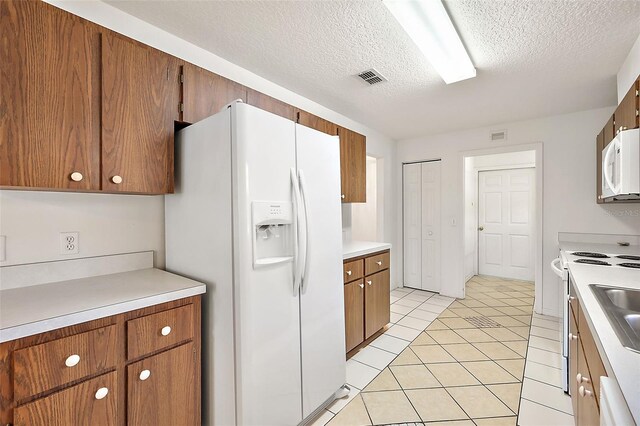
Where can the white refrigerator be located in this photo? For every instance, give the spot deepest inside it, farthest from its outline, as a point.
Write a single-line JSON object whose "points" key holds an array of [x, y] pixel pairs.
{"points": [[256, 215]]}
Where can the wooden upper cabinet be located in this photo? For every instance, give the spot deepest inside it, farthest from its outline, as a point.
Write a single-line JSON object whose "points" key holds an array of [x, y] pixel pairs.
{"points": [[627, 112], [50, 103], [353, 166], [140, 99], [162, 389], [608, 131], [315, 122], [270, 104], [205, 93]]}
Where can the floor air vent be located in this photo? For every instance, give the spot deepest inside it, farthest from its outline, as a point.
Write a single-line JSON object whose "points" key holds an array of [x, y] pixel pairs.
{"points": [[372, 76], [482, 322]]}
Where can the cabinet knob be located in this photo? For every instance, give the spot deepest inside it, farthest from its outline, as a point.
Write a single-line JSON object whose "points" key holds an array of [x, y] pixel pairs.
{"points": [[144, 374], [582, 379], [116, 179], [348, 272], [72, 360], [101, 393], [369, 282], [573, 336], [165, 330], [379, 262], [584, 392], [571, 298], [342, 196], [361, 285], [76, 176]]}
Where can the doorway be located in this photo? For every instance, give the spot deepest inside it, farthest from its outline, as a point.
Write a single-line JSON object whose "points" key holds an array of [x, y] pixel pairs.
{"points": [[502, 222], [506, 214], [421, 225]]}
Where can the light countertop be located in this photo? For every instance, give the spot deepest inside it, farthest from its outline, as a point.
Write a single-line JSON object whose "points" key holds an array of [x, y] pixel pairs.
{"points": [[620, 362], [353, 249], [36, 309]]}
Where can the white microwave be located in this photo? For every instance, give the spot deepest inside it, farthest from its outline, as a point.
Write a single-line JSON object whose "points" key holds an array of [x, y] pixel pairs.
{"points": [[621, 167]]}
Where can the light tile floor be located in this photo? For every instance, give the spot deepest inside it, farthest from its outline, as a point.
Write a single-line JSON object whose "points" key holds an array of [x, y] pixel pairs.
{"points": [[482, 360]]}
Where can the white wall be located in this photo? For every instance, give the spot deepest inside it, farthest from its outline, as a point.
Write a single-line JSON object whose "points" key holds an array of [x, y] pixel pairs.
{"points": [[569, 187], [629, 70], [107, 223], [111, 223], [364, 216], [471, 167]]}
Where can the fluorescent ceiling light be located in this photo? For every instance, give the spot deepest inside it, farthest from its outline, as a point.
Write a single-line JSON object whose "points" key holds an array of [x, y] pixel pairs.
{"points": [[429, 25]]}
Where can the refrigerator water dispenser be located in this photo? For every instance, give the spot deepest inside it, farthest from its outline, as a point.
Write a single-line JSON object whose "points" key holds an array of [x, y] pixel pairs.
{"points": [[272, 233]]}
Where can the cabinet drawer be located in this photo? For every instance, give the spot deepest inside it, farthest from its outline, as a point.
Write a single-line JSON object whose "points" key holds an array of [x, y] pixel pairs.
{"points": [[93, 402], [153, 332], [376, 263], [46, 366], [353, 270]]}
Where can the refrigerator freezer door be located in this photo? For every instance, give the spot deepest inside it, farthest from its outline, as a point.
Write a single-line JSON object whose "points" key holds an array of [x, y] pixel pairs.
{"points": [[321, 298], [267, 322]]}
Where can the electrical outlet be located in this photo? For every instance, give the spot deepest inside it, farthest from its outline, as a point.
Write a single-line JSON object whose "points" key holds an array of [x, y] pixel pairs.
{"points": [[69, 243]]}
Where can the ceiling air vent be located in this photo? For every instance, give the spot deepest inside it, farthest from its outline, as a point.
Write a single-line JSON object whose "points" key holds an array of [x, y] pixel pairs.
{"points": [[372, 76], [500, 135]]}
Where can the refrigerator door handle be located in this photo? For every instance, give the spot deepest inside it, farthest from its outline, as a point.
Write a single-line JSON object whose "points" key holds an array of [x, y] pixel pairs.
{"points": [[304, 240], [297, 267]]}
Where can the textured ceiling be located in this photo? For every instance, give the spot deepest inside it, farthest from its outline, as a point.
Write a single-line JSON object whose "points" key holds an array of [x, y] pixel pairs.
{"points": [[534, 57]]}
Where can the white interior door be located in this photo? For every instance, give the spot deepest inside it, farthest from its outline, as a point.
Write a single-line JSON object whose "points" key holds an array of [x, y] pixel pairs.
{"points": [[430, 226], [506, 210], [324, 368], [412, 209]]}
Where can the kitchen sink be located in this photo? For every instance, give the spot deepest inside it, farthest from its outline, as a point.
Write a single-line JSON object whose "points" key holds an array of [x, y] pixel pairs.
{"points": [[622, 306]]}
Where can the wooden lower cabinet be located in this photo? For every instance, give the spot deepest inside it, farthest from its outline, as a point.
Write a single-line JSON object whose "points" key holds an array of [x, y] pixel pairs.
{"points": [[354, 313], [377, 311], [81, 375], [585, 368], [366, 300], [161, 389], [93, 402]]}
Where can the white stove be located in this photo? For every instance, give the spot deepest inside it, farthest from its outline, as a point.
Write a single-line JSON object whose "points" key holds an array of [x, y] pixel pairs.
{"points": [[602, 259]]}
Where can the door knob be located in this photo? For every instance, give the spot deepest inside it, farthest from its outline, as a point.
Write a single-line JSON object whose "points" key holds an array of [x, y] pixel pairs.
{"points": [[480, 228]]}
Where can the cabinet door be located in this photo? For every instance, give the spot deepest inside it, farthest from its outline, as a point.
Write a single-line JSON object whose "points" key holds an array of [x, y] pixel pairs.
{"points": [[161, 390], [354, 313], [205, 93], [573, 362], [140, 97], [270, 104], [315, 122], [377, 310], [608, 132], [353, 166], [50, 103], [93, 402], [599, 148], [588, 413], [627, 112]]}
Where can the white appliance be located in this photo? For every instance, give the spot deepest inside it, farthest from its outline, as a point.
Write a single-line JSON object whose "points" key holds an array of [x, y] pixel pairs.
{"points": [[621, 166], [256, 215], [559, 267]]}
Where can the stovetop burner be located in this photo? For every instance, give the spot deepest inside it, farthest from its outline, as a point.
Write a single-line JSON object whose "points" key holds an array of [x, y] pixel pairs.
{"points": [[592, 262], [630, 265], [589, 254], [629, 257]]}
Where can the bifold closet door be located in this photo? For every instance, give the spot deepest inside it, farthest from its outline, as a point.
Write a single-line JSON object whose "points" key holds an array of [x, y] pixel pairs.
{"points": [[430, 218], [412, 212]]}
